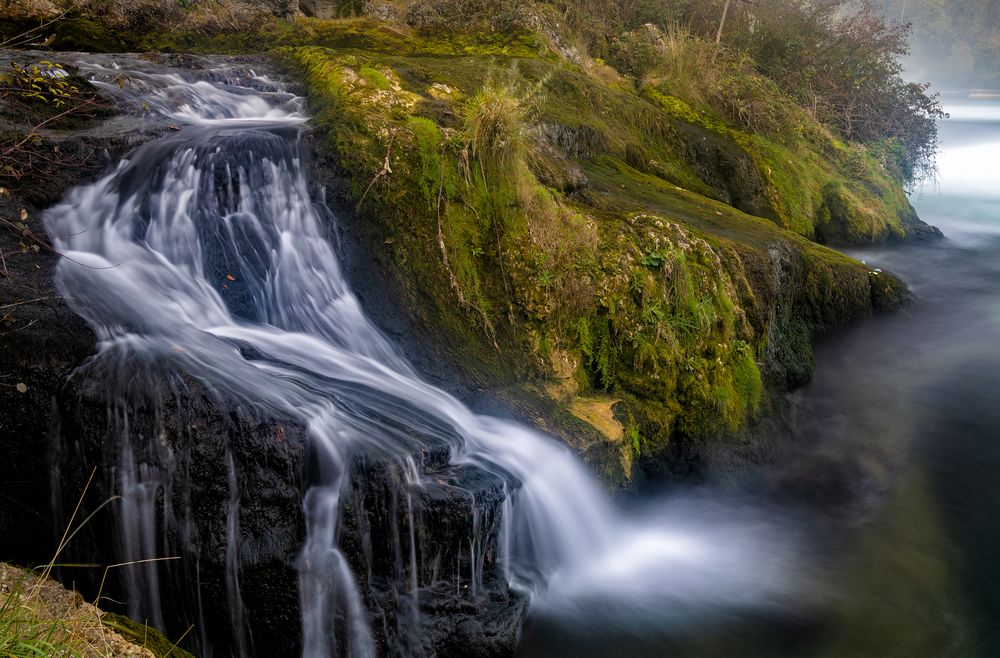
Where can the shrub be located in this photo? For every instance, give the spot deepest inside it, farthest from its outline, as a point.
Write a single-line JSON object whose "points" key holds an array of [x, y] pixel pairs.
{"points": [[37, 97], [749, 100], [841, 60], [463, 14], [495, 128], [638, 52]]}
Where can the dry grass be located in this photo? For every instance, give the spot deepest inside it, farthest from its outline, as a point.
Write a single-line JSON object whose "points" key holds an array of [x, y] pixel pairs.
{"points": [[685, 64], [495, 121], [39, 617], [213, 16], [561, 239]]}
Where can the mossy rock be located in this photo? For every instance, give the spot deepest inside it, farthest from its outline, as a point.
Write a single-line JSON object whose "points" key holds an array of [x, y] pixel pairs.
{"points": [[143, 636], [656, 311]]}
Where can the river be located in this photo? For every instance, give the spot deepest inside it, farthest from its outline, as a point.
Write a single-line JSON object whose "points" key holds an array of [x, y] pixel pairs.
{"points": [[204, 253], [204, 257], [893, 474]]}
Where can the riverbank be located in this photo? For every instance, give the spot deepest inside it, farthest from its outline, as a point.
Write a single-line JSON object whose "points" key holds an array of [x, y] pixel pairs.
{"points": [[890, 472]]}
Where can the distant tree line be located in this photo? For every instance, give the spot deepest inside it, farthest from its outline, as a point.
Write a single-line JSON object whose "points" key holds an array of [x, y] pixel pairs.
{"points": [[956, 43]]}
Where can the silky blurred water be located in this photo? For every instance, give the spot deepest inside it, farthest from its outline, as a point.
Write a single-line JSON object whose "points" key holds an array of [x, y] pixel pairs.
{"points": [[873, 534], [204, 253]]}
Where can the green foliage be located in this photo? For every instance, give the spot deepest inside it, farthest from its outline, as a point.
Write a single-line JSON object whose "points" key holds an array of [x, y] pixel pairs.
{"points": [[45, 81], [835, 59], [841, 61], [954, 43], [655, 259], [599, 350], [664, 298], [38, 98]]}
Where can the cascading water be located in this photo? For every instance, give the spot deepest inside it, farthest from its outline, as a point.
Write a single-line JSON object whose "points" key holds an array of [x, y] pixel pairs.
{"points": [[204, 253]]}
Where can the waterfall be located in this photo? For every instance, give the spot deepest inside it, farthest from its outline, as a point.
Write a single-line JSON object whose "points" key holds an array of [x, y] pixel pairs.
{"points": [[204, 250]]}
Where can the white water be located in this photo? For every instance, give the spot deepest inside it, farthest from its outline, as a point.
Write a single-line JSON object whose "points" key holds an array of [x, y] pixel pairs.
{"points": [[204, 250]]}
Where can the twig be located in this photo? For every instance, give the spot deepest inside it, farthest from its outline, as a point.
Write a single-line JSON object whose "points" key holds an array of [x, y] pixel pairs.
{"points": [[27, 301], [20, 39], [28, 233], [386, 169], [14, 331], [100, 590], [76, 510], [33, 132], [179, 640]]}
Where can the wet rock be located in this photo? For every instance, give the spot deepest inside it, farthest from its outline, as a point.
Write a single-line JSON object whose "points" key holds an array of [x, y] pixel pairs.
{"points": [[726, 169], [429, 559], [211, 483], [219, 484]]}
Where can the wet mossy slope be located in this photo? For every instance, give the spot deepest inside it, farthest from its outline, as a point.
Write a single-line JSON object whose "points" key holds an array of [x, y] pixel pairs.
{"points": [[586, 239], [631, 269]]}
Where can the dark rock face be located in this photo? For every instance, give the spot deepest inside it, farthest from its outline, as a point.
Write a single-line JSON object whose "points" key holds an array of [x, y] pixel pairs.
{"points": [[726, 169], [213, 483], [210, 483], [41, 339], [427, 554], [219, 484]]}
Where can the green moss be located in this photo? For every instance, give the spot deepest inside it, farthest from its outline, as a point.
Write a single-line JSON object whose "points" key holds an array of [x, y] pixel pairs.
{"points": [[664, 298], [361, 34], [74, 34], [375, 78], [634, 438], [814, 185], [143, 636], [428, 140]]}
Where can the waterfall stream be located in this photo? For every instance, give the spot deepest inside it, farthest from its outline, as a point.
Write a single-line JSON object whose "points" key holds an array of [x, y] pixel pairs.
{"points": [[204, 251]]}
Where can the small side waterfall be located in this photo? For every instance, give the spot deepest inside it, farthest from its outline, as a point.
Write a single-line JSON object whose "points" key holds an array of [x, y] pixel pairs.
{"points": [[203, 254]]}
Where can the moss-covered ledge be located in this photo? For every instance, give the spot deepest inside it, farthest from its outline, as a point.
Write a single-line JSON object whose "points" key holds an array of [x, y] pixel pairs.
{"points": [[554, 230]]}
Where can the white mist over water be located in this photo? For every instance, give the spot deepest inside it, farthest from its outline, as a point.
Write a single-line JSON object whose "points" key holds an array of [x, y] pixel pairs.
{"points": [[963, 200], [204, 250]]}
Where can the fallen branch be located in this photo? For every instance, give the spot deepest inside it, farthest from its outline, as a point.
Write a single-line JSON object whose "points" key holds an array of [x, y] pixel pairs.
{"points": [[26, 301]]}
